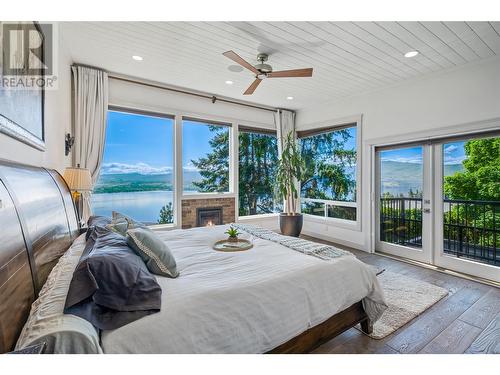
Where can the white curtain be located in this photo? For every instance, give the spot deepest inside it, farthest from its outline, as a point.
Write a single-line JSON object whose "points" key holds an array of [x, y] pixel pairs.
{"points": [[285, 123], [90, 106]]}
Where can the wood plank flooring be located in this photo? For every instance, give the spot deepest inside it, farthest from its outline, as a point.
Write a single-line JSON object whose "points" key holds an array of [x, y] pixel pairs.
{"points": [[465, 321]]}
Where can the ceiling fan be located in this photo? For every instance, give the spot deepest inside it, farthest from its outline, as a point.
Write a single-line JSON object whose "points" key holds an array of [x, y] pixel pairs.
{"points": [[264, 70]]}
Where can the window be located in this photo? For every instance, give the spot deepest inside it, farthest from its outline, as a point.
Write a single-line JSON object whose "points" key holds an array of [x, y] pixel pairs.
{"points": [[329, 186], [205, 156], [258, 157], [136, 174]]}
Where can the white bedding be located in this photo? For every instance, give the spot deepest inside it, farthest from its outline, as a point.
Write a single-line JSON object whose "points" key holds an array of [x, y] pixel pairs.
{"points": [[242, 302]]}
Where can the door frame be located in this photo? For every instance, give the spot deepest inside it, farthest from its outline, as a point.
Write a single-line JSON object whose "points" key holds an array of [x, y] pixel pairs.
{"points": [[440, 259], [424, 254], [369, 145]]}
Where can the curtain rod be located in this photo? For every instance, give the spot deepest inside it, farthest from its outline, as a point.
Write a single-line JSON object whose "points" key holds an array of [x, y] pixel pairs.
{"points": [[213, 98]]}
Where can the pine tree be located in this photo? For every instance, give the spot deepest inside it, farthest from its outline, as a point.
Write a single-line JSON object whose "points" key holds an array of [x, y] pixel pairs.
{"points": [[166, 214], [258, 157], [214, 167], [329, 167]]}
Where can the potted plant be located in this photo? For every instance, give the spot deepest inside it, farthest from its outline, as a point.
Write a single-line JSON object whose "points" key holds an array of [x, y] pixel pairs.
{"points": [[233, 234], [290, 169]]}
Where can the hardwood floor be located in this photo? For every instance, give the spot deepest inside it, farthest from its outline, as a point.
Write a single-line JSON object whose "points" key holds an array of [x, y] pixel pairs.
{"points": [[465, 321]]}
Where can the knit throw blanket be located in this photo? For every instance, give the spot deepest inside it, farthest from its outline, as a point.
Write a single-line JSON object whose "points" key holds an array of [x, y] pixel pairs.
{"points": [[325, 252]]}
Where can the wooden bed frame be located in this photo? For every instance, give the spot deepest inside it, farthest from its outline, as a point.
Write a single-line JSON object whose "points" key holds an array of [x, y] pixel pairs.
{"points": [[38, 224]]}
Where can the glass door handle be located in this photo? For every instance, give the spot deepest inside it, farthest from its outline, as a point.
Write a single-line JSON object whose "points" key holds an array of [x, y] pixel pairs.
{"points": [[427, 210]]}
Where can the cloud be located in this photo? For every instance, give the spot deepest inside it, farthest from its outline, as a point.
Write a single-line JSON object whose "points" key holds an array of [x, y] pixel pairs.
{"points": [[189, 167], [449, 149], [141, 168], [417, 159], [454, 160]]}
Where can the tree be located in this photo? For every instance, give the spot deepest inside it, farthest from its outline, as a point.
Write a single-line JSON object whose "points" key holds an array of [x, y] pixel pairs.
{"points": [[214, 167], [258, 157], [480, 179], [329, 166], [166, 214]]}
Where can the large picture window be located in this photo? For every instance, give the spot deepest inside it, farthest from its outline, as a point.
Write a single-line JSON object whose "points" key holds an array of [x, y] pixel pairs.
{"points": [[137, 171], [258, 157], [329, 186], [205, 156]]}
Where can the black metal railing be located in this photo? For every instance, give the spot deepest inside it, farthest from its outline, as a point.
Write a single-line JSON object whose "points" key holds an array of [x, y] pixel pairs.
{"points": [[471, 229], [401, 221]]}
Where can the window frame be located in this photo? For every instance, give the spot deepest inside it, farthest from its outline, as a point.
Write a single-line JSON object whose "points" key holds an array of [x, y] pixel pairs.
{"points": [[163, 115], [331, 126], [204, 121], [249, 129]]}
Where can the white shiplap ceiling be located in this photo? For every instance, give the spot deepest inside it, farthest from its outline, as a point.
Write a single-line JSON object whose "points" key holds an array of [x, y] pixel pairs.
{"points": [[348, 58]]}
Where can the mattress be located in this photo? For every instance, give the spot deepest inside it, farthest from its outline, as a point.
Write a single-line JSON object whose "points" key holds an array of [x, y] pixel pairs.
{"points": [[243, 302]]}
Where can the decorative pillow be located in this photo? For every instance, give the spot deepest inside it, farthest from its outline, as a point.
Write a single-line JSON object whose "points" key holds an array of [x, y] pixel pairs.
{"points": [[101, 221], [118, 217], [119, 226], [111, 285], [153, 251], [94, 222]]}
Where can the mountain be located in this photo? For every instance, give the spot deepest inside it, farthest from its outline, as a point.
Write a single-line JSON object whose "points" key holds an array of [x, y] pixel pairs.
{"points": [[398, 177], [128, 182]]}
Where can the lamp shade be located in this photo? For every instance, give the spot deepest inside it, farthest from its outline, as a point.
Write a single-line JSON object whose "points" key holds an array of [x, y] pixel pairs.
{"points": [[78, 179]]}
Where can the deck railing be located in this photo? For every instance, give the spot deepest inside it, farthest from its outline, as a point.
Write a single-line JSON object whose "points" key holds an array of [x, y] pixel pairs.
{"points": [[471, 229]]}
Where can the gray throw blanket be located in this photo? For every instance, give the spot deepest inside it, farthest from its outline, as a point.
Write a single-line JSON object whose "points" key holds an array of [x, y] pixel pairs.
{"points": [[322, 251]]}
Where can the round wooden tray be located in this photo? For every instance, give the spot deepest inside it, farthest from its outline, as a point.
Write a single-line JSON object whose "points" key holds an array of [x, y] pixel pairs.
{"points": [[227, 246]]}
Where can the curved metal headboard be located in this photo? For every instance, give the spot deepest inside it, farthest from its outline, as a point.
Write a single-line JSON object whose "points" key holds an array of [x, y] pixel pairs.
{"points": [[38, 223]]}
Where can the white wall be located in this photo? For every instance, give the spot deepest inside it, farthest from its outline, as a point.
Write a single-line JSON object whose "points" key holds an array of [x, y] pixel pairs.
{"points": [[57, 123], [433, 103], [132, 95]]}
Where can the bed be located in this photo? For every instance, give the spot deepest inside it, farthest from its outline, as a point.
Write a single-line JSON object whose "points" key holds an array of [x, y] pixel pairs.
{"points": [[269, 299]]}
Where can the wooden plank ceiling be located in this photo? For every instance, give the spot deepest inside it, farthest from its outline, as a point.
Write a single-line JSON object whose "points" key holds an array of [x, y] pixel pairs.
{"points": [[349, 58]]}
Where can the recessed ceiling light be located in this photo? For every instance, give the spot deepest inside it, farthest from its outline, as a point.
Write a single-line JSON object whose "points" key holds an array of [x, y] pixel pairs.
{"points": [[137, 58], [229, 82], [289, 98], [411, 54]]}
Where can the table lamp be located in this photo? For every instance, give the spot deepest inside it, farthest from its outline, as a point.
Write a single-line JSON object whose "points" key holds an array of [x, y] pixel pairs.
{"points": [[78, 180]]}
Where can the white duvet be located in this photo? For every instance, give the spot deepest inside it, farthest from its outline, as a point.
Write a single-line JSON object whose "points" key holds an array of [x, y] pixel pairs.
{"points": [[243, 302]]}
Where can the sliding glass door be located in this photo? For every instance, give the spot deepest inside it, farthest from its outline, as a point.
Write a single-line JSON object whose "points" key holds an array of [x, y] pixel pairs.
{"points": [[439, 203], [467, 187], [403, 189]]}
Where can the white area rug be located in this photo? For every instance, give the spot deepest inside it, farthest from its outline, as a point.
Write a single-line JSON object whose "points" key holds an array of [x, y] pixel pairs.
{"points": [[407, 298]]}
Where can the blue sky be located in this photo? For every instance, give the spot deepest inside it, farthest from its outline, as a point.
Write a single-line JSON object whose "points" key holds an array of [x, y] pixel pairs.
{"points": [[144, 144], [453, 153]]}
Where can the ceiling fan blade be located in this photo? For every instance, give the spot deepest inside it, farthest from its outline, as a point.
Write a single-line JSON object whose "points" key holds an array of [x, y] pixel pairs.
{"points": [[308, 72], [252, 87], [237, 59]]}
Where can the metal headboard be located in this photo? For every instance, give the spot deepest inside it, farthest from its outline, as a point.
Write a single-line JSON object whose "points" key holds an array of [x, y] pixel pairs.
{"points": [[38, 223]]}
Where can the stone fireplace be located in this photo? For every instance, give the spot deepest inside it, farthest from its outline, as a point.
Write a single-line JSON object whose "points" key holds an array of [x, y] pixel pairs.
{"points": [[205, 211], [208, 216]]}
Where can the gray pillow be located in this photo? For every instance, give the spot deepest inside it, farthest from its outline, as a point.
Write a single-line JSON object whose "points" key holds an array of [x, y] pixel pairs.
{"points": [[120, 223], [153, 251], [119, 217], [119, 226], [111, 285]]}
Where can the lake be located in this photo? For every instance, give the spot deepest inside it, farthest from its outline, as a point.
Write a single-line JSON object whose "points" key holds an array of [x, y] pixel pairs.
{"points": [[143, 206]]}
